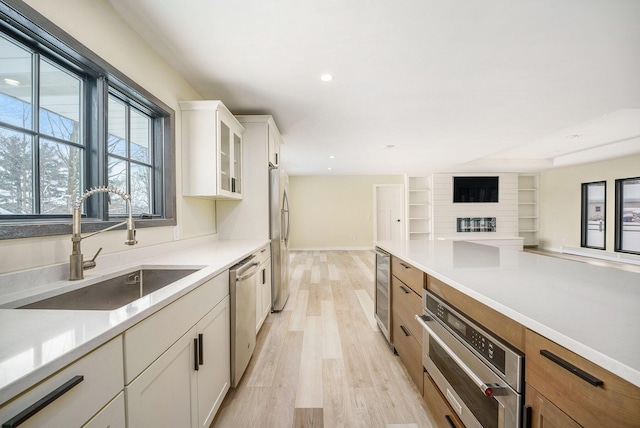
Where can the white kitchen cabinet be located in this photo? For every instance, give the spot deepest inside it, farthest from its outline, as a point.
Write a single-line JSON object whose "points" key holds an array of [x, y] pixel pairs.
{"points": [[112, 416], [263, 291], [274, 148], [250, 219], [214, 372], [178, 360], [212, 163], [163, 395], [85, 387]]}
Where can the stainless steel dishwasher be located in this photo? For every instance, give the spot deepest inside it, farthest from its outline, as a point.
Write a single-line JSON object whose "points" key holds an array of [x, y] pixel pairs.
{"points": [[242, 291]]}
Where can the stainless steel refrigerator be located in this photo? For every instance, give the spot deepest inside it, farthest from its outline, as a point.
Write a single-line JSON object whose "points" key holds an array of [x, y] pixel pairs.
{"points": [[279, 225]]}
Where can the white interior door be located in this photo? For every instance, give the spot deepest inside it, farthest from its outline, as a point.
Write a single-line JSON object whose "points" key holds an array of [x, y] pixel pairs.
{"points": [[389, 212]]}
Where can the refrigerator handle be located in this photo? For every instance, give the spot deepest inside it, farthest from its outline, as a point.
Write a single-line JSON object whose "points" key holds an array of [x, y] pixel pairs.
{"points": [[285, 210]]}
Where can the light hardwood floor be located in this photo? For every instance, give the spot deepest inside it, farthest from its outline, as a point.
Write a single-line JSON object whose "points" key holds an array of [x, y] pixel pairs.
{"points": [[322, 362]]}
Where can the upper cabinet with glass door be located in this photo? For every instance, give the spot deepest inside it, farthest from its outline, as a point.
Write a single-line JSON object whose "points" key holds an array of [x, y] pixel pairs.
{"points": [[211, 151]]}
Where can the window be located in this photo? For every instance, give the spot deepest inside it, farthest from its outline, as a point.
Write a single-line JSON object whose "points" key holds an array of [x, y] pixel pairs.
{"points": [[627, 238], [69, 121], [594, 208], [41, 154]]}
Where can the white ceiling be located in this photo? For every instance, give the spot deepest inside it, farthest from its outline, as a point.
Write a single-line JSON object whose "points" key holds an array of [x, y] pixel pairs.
{"points": [[454, 85]]}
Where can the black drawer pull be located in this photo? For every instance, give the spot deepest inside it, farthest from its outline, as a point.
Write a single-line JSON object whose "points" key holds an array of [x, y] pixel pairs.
{"points": [[42, 403], [403, 289], [200, 349], [573, 369], [451, 424], [195, 355], [404, 266], [404, 330]]}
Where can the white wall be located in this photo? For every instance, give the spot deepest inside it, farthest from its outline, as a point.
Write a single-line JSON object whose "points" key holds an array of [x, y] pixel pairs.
{"points": [[445, 212], [96, 25], [560, 200], [333, 211]]}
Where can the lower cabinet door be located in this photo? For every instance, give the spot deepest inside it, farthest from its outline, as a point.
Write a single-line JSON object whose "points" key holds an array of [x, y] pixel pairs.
{"points": [[544, 414], [163, 394], [214, 372], [266, 289]]}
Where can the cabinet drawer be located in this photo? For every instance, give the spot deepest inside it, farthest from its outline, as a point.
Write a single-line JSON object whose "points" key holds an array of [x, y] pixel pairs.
{"points": [[442, 413], [615, 403], [409, 350], [264, 253], [408, 274], [406, 304], [501, 325], [102, 379], [147, 340]]}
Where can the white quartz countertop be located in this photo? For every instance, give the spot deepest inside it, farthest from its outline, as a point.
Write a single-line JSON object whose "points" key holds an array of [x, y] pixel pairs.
{"points": [[591, 310], [36, 343]]}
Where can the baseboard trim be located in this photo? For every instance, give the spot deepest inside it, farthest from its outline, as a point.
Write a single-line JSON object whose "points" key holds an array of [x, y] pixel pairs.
{"points": [[332, 249]]}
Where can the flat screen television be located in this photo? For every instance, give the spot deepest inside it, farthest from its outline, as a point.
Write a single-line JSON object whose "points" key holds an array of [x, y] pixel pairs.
{"points": [[475, 189]]}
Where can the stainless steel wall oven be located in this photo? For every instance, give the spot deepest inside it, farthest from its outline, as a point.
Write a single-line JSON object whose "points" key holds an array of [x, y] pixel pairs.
{"points": [[480, 375]]}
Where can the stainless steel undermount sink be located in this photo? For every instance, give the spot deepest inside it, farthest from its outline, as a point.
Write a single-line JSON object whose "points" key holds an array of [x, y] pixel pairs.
{"points": [[115, 292]]}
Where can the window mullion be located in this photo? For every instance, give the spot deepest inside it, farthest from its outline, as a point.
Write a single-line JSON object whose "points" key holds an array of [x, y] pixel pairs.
{"points": [[35, 123]]}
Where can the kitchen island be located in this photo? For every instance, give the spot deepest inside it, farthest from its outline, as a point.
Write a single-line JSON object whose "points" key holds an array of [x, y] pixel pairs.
{"points": [[589, 310]]}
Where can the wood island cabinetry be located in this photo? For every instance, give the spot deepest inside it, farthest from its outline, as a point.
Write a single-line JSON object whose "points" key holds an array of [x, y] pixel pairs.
{"points": [[406, 301], [566, 387]]}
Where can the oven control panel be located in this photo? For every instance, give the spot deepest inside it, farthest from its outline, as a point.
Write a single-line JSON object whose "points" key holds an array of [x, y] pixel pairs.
{"points": [[468, 333]]}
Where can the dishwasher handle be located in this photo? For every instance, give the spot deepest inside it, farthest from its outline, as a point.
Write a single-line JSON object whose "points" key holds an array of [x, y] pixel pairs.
{"points": [[247, 270]]}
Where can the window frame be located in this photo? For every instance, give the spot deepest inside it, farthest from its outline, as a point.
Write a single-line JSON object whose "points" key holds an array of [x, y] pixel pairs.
{"points": [[619, 224], [26, 25], [584, 223]]}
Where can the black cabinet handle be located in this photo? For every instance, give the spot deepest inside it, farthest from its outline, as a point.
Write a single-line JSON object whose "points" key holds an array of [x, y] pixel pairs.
{"points": [[195, 355], [403, 289], [404, 266], [404, 330], [264, 276], [571, 368], [451, 424], [42, 403], [526, 416], [201, 349], [276, 159]]}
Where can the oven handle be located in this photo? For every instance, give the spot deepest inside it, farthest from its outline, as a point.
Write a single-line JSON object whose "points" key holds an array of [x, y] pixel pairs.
{"points": [[489, 389]]}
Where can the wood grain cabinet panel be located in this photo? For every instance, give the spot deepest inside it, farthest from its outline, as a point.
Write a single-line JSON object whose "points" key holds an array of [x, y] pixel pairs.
{"points": [[406, 304], [409, 350], [589, 394], [502, 326], [443, 414], [544, 414], [408, 274]]}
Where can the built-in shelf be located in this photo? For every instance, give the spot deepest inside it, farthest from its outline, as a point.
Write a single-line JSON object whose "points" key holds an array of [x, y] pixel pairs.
{"points": [[528, 208], [419, 209]]}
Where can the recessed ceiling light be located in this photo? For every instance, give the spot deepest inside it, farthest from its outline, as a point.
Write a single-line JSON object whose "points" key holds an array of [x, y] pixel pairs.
{"points": [[326, 77], [332, 157], [12, 82], [388, 146], [329, 168]]}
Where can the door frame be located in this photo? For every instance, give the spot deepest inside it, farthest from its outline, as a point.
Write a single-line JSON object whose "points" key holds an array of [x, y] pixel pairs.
{"points": [[403, 231]]}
